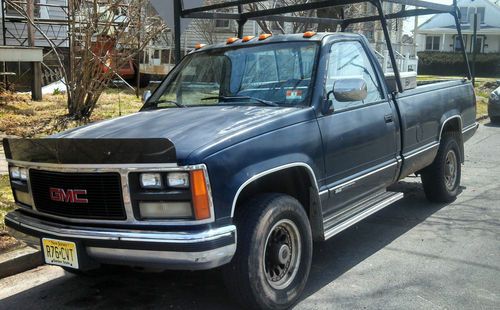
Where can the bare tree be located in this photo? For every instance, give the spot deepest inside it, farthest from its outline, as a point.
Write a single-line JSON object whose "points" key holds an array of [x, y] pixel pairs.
{"points": [[329, 12], [105, 35], [205, 29], [269, 27]]}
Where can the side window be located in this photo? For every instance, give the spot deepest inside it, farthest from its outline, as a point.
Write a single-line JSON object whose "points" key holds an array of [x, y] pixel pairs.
{"points": [[349, 59]]}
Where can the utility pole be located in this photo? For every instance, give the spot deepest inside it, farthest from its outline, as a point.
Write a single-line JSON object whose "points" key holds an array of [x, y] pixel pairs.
{"points": [[177, 30], [36, 67], [138, 56], [72, 50], [474, 48], [415, 34]]}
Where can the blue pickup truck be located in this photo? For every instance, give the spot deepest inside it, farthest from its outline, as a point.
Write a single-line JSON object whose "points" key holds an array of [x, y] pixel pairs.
{"points": [[246, 153]]}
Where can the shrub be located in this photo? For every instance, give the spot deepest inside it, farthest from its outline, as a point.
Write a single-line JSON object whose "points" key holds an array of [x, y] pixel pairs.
{"points": [[56, 91], [449, 63]]}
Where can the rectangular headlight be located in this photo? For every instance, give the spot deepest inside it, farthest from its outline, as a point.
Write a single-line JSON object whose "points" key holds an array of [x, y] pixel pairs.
{"points": [[165, 210], [23, 174], [15, 172], [151, 180], [178, 179]]}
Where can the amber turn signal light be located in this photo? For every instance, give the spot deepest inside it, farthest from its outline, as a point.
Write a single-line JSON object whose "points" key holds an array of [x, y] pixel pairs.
{"points": [[231, 40], [264, 36], [199, 192], [309, 34]]}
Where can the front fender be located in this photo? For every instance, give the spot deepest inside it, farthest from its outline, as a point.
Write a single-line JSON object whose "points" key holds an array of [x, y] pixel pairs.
{"points": [[231, 169]]}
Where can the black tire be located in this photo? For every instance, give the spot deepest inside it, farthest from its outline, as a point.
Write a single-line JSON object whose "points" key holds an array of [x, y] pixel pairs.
{"points": [[439, 182], [495, 119], [83, 273], [249, 276], [99, 270]]}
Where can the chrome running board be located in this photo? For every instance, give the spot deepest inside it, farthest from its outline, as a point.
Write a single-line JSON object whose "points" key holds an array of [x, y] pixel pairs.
{"points": [[368, 208]]}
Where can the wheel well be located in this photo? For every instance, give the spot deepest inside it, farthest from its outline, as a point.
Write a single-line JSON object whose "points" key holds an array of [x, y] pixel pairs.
{"points": [[294, 181], [454, 125]]}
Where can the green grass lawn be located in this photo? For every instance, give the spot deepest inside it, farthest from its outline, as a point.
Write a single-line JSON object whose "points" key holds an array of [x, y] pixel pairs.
{"points": [[439, 77], [22, 117]]}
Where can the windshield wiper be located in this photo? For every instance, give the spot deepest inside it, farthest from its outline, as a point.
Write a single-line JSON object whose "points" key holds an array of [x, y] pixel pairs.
{"points": [[180, 105], [263, 101]]}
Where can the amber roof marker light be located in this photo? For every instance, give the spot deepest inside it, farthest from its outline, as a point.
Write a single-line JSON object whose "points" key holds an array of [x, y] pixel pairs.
{"points": [[309, 34], [247, 38], [231, 40], [199, 45], [264, 36]]}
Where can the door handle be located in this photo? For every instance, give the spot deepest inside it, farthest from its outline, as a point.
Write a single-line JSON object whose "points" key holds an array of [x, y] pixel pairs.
{"points": [[388, 118]]}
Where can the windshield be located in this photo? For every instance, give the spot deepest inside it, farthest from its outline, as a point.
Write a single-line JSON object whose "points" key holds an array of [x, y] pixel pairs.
{"points": [[276, 74]]}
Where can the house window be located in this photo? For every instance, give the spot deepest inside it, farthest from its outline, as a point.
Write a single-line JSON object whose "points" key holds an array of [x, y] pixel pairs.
{"points": [[222, 24], [468, 14], [480, 13], [456, 46], [432, 43], [11, 9], [464, 16]]}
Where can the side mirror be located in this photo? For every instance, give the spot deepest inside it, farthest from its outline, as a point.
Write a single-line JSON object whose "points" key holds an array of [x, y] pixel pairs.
{"points": [[350, 89], [146, 96]]}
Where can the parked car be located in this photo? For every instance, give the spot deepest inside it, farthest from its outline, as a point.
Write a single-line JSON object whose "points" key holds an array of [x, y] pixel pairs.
{"points": [[246, 153], [494, 106]]}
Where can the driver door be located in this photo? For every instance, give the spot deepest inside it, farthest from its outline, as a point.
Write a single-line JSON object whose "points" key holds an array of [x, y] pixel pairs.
{"points": [[359, 137]]}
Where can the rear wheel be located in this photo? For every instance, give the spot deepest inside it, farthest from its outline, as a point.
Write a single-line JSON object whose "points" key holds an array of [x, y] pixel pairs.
{"points": [[495, 119], [273, 258], [441, 180]]}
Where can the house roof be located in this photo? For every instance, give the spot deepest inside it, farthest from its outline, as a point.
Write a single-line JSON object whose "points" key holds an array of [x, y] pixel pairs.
{"points": [[444, 23]]}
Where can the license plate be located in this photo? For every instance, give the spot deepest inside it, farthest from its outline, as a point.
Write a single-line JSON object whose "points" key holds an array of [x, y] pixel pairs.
{"points": [[60, 253]]}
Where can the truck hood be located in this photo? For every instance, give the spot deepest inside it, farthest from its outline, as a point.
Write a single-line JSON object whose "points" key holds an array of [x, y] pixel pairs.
{"points": [[202, 129]]}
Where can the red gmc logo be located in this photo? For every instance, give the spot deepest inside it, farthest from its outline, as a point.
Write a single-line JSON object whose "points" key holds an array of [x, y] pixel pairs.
{"points": [[69, 195]]}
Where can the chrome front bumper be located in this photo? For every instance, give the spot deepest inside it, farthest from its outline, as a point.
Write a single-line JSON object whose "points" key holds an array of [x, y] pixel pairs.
{"points": [[189, 250]]}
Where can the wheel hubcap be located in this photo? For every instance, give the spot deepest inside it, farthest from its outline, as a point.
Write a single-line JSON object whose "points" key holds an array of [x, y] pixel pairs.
{"points": [[450, 170], [282, 254]]}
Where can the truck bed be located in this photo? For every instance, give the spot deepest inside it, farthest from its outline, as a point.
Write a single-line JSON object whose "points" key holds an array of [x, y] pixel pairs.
{"points": [[423, 112]]}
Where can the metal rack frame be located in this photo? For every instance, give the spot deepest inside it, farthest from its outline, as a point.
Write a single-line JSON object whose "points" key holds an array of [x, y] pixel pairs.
{"points": [[276, 14]]}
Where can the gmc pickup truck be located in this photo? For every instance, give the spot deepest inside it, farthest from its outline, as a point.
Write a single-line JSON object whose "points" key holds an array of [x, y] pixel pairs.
{"points": [[247, 152]]}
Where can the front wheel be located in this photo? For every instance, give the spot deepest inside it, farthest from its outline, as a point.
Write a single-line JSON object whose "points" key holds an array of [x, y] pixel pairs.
{"points": [[441, 180], [274, 253]]}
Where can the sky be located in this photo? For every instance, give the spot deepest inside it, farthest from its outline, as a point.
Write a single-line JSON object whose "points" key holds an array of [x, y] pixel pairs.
{"points": [[409, 23]]}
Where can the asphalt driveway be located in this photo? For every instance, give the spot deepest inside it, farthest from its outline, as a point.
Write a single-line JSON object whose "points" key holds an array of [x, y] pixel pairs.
{"points": [[411, 255]]}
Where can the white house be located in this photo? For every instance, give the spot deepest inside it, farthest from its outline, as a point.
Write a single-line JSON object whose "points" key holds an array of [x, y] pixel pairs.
{"points": [[51, 14], [439, 32]]}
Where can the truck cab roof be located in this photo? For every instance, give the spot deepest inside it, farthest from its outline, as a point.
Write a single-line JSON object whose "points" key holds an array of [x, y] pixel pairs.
{"points": [[296, 37]]}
